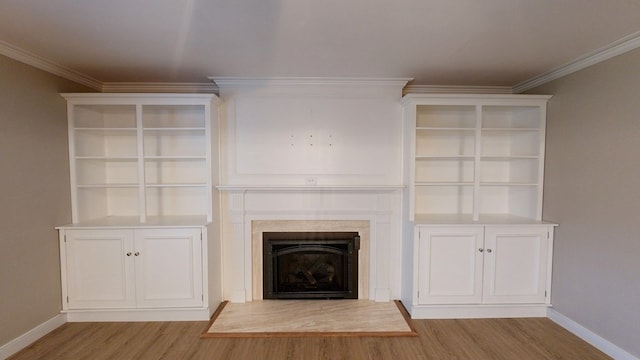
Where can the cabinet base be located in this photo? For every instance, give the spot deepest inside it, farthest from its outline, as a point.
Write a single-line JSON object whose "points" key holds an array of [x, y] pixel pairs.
{"points": [[477, 311], [162, 314]]}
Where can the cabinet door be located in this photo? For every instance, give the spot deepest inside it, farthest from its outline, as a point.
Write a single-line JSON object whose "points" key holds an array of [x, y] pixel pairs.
{"points": [[450, 265], [168, 267], [515, 264], [99, 269]]}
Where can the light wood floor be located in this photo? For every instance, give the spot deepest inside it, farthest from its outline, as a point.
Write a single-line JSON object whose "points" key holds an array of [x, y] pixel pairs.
{"points": [[513, 339]]}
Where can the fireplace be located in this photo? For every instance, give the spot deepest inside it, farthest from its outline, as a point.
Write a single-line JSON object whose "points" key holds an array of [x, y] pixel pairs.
{"points": [[310, 265], [369, 211]]}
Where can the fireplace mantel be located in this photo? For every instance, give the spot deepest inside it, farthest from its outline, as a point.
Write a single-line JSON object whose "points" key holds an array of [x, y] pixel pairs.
{"points": [[311, 151], [278, 188]]}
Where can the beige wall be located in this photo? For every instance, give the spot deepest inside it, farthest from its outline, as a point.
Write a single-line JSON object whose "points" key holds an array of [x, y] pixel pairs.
{"points": [[592, 189], [34, 194]]}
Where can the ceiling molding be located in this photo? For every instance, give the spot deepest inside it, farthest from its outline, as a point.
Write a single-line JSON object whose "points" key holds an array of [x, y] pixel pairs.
{"points": [[49, 66], [307, 81], [158, 87], [456, 89], [619, 47]]}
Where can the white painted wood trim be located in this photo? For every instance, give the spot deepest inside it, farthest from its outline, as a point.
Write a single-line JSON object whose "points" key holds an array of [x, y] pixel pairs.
{"points": [[140, 99], [619, 47], [456, 89], [477, 311], [159, 314], [382, 295], [476, 99], [231, 82], [589, 336], [158, 87], [274, 188], [49, 66], [31, 336]]}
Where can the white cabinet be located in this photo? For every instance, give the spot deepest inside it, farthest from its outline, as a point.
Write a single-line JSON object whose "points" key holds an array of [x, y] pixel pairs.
{"points": [[449, 267], [474, 170], [97, 269], [516, 260], [125, 268], [142, 203], [168, 267], [483, 265]]}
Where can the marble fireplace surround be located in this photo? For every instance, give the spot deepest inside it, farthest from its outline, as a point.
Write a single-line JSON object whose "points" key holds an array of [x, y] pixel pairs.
{"points": [[373, 212]]}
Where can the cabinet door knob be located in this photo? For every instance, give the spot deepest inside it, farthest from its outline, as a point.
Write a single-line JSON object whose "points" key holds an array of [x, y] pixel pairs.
{"points": [[481, 249], [136, 253], [489, 250], [129, 253]]}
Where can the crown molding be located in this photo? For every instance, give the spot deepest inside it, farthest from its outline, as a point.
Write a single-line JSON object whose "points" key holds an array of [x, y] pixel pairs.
{"points": [[158, 87], [456, 89], [49, 66], [619, 47], [228, 82]]}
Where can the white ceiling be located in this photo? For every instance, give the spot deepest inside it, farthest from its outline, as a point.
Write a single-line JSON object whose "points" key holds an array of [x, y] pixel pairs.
{"points": [[437, 42]]}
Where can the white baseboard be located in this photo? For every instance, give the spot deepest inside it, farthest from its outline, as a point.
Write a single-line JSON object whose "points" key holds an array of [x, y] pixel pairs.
{"points": [[382, 295], [238, 296], [161, 314], [31, 336], [589, 336], [477, 311]]}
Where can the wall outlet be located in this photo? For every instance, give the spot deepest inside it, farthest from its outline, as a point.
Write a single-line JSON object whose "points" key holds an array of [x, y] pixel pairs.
{"points": [[311, 180]]}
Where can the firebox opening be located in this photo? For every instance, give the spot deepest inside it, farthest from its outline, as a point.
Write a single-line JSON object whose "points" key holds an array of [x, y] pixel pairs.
{"points": [[310, 265]]}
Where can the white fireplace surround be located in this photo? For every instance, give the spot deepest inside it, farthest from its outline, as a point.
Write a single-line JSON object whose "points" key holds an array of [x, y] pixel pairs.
{"points": [[373, 211]]}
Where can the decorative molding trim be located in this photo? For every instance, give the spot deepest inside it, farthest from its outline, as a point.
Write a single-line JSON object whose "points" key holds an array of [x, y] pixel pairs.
{"points": [[49, 66], [481, 98], [150, 314], [619, 47], [455, 89], [307, 81], [31, 336], [311, 214], [477, 311], [158, 87], [294, 188], [589, 336]]}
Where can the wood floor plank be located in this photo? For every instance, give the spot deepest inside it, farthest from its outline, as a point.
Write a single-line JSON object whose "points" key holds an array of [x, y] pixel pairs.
{"points": [[478, 339]]}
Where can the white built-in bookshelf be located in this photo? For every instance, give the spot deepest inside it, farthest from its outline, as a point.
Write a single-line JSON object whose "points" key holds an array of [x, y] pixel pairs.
{"points": [[475, 242], [475, 156], [140, 156], [138, 247]]}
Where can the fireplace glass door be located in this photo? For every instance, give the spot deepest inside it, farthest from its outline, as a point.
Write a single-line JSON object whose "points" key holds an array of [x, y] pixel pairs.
{"points": [[310, 265]]}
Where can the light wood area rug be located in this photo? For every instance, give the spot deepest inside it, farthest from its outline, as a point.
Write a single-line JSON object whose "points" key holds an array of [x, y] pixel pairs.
{"points": [[304, 318]]}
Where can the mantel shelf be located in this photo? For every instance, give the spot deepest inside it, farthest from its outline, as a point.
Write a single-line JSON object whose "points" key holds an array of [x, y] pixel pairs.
{"points": [[309, 188]]}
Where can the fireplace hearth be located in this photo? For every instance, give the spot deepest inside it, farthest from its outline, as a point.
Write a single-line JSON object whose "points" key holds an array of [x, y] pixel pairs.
{"points": [[310, 265]]}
